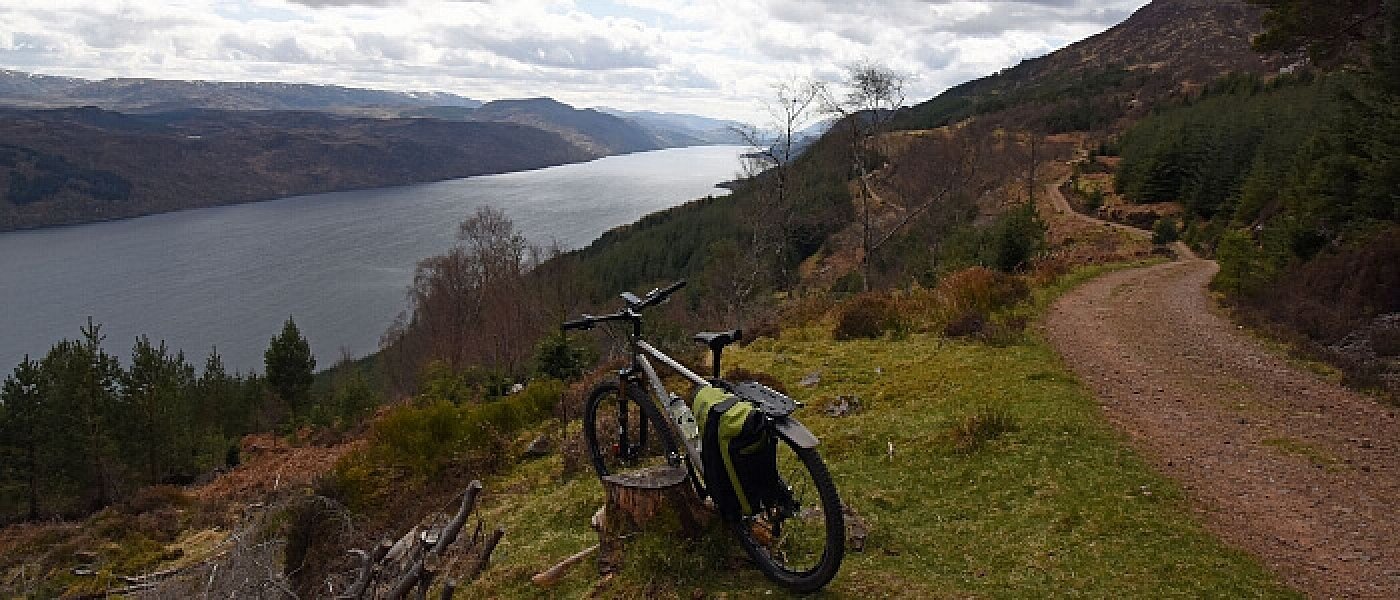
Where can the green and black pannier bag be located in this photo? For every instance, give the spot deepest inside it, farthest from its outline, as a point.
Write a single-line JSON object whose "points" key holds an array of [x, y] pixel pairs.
{"points": [[738, 452]]}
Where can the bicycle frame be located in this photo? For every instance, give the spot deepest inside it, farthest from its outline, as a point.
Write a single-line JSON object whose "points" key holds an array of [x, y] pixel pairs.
{"points": [[674, 409], [680, 421]]}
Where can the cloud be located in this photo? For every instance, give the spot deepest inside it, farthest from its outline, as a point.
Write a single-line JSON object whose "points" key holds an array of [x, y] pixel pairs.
{"points": [[716, 55], [565, 49], [324, 3]]}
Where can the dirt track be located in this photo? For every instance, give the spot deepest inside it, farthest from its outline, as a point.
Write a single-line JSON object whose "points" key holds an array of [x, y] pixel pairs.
{"points": [[1298, 471]]}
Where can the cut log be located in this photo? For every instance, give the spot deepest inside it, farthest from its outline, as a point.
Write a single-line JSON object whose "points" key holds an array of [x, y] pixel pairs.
{"points": [[654, 499]]}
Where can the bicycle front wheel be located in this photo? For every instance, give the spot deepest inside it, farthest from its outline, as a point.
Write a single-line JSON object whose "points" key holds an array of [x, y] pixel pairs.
{"points": [[624, 431], [801, 541]]}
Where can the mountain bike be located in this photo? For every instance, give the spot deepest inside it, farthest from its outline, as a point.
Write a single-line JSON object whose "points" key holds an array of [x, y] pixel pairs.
{"points": [[633, 422]]}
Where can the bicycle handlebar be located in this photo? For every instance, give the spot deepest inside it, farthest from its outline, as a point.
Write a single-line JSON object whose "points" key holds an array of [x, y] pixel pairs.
{"points": [[652, 299], [656, 296]]}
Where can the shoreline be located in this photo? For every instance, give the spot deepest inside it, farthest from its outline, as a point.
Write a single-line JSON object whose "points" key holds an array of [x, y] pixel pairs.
{"points": [[97, 221]]}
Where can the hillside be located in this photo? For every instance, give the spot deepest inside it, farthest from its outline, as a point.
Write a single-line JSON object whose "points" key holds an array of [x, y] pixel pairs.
{"points": [[1168, 48], [78, 165], [1049, 501], [1165, 51]]}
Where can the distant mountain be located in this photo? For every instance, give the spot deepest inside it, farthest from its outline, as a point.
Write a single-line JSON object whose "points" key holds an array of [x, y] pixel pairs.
{"points": [[1167, 48], [592, 130], [77, 165], [74, 150], [155, 95], [704, 129]]}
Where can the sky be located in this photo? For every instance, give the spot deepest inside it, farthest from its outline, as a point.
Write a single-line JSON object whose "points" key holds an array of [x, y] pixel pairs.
{"points": [[718, 58]]}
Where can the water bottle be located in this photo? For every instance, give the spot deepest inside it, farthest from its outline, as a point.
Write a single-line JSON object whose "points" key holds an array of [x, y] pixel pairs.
{"points": [[684, 420]]}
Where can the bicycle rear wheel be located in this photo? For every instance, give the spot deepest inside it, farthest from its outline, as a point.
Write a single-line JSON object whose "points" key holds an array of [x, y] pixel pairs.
{"points": [[623, 432], [801, 541]]}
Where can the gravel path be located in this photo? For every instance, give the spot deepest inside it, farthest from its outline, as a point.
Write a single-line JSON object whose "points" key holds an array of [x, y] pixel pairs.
{"points": [[1298, 471]]}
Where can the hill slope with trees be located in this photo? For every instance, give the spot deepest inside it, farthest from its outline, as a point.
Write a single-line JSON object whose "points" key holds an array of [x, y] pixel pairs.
{"points": [[1291, 184], [67, 166]]}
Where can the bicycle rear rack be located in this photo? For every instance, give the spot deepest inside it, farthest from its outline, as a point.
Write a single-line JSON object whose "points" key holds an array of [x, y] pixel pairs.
{"points": [[770, 402]]}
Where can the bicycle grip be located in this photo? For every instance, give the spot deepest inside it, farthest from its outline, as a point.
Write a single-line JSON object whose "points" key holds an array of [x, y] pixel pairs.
{"points": [[585, 322], [672, 288], [658, 296]]}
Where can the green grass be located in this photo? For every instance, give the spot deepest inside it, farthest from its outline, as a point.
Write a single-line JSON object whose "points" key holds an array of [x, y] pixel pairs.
{"points": [[1301, 449], [1054, 505]]}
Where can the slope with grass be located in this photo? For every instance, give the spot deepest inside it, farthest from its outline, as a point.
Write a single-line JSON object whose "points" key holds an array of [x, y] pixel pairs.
{"points": [[981, 471]]}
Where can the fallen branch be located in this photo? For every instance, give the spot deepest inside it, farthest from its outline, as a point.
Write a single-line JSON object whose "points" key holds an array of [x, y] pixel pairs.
{"points": [[420, 556], [484, 558], [552, 575]]}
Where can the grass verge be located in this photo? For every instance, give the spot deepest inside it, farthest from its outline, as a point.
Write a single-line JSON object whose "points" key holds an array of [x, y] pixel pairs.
{"points": [[1048, 502]]}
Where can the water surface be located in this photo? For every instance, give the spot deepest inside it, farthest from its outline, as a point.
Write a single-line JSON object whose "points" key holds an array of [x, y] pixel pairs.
{"points": [[339, 263]]}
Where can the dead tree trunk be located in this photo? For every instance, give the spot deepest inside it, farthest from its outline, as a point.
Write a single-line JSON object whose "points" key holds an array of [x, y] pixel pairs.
{"points": [[420, 554]]}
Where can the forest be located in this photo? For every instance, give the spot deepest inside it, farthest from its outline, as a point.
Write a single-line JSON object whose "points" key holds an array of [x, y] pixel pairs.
{"points": [[1291, 184]]}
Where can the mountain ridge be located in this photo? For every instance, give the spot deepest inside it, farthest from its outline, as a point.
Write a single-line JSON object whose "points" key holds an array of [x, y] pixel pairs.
{"points": [[707, 129], [134, 94], [585, 126], [592, 130], [1167, 48]]}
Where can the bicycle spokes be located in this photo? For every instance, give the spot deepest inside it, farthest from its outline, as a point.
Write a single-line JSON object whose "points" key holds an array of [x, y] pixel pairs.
{"points": [[623, 435]]}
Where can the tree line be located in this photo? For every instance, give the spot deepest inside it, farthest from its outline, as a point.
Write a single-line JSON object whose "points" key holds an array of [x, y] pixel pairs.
{"points": [[79, 431]]}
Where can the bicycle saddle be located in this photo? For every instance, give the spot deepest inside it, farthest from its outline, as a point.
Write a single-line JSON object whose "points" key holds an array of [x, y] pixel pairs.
{"points": [[719, 339]]}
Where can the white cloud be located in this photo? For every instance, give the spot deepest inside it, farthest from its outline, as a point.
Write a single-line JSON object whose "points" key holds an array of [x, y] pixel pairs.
{"points": [[717, 57]]}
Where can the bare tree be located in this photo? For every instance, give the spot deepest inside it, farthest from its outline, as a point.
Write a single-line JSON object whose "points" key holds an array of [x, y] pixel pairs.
{"points": [[866, 104], [739, 271], [937, 166], [473, 305]]}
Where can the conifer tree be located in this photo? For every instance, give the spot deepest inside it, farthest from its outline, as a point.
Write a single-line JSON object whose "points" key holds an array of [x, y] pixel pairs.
{"points": [[22, 420], [220, 399], [290, 365], [82, 381], [158, 433]]}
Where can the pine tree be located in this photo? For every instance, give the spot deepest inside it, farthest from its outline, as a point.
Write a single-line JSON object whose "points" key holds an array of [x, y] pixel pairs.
{"points": [[221, 400], [82, 383], [1332, 31], [290, 366], [22, 417], [158, 433]]}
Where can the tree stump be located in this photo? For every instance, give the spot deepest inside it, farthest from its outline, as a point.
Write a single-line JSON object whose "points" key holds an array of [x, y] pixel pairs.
{"points": [[658, 499]]}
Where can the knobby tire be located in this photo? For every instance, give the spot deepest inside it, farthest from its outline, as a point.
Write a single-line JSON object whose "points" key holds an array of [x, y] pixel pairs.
{"points": [[644, 428], [772, 560]]}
